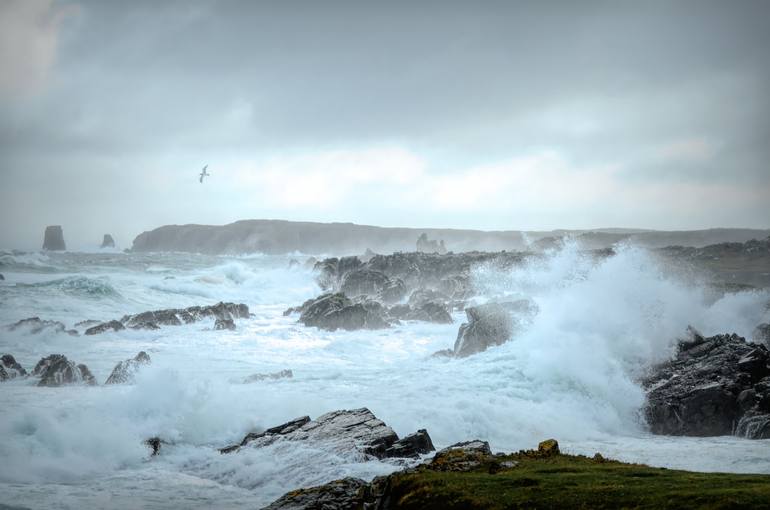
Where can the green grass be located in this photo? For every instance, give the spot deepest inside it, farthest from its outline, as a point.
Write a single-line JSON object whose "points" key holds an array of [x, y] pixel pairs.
{"points": [[565, 481]]}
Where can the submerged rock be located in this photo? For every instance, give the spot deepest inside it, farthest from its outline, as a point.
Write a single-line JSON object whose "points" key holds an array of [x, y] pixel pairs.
{"points": [[57, 370], [125, 371], [336, 311], [11, 368], [35, 325], [174, 317], [356, 432], [224, 324], [715, 386], [53, 239], [108, 241], [491, 324], [283, 374]]}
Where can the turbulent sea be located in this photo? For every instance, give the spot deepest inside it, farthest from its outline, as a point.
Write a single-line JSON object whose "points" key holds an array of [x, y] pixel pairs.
{"points": [[571, 374]]}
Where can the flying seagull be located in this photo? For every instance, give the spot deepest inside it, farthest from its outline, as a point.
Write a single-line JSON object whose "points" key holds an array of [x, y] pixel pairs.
{"points": [[203, 174]]}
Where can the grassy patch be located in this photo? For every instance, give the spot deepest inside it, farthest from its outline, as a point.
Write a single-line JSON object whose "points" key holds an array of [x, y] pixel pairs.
{"points": [[566, 481]]}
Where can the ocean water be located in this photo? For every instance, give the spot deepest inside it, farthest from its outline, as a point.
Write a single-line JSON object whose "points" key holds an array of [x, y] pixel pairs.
{"points": [[570, 374]]}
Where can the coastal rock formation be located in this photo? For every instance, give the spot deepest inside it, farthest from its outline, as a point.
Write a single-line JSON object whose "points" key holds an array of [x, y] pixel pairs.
{"points": [[53, 239], [10, 368], [222, 312], [491, 324], [345, 494], [429, 312], [125, 371], [336, 311], [108, 241], [356, 432], [35, 325], [57, 370], [425, 245], [283, 374], [223, 323], [364, 282], [715, 386]]}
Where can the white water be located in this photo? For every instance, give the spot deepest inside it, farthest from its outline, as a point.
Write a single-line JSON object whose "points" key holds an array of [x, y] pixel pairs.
{"points": [[570, 375]]}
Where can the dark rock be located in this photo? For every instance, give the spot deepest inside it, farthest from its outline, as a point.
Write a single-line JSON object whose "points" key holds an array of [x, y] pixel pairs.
{"points": [[87, 323], [363, 282], [154, 443], [54, 239], [422, 296], [754, 426], [105, 326], [711, 385], [3, 374], [125, 371], [491, 324], [337, 311], [345, 494], [460, 457], [222, 323], [430, 312], [57, 370], [11, 367], [393, 292], [412, 445], [283, 374], [548, 447], [108, 241], [35, 325], [353, 432]]}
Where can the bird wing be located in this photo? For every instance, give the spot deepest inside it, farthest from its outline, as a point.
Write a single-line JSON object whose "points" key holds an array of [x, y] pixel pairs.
{"points": [[201, 179]]}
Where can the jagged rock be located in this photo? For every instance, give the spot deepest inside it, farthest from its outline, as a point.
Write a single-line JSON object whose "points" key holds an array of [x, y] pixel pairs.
{"points": [[464, 456], [356, 432], [393, 292], [430, 312], [35, 325], [421, 296], [363, 282], [283, 374], [412, 446], [87, 323], [345, 494], [548, 447], [53, 239], [337, 311], [709, 387], [222, 324], [105, 326], [333, 270], [491, 324], [125, 371], [11, 367], [57, 370], [754, 426], [173, 317], [108, 241], [761, 335]]}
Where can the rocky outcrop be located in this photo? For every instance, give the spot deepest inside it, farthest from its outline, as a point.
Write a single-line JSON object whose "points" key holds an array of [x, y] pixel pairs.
{"points": [[429, 312], [108, 241], [345, 494], [223, 323], [36, 325], [11, 368], [53, 239], [356, 432], [491, 324], [283, 374], [336, 311], [222, 312], [125, 371], [714, 386], [363, 282], [57, 370]]}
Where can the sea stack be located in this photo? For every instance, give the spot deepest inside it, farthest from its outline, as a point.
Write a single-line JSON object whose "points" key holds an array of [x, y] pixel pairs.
{"points": [[54, 238], [108, 241]]}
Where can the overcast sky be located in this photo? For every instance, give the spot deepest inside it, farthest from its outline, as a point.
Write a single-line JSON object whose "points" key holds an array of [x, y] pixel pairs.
{"points": [[489, 115]]}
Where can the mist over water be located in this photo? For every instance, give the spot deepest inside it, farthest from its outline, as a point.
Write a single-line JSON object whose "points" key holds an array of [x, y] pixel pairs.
{"points": [[571, 373]]}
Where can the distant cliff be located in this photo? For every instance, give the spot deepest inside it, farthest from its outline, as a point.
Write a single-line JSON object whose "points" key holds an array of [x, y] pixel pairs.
{"points": [[279, 236]]}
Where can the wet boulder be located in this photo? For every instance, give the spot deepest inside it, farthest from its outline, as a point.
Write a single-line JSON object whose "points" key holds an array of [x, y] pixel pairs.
{"points": [[336, 311], [53, 239], [108, 241], [125, 371], [363, 282], [11, 367], [714, 386], [356, 432], [430, 312], [105, 326], [491, 324], [461, 457], [57, 370], [345, 494]]}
